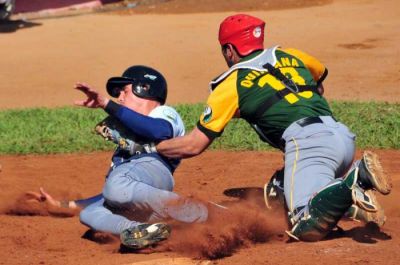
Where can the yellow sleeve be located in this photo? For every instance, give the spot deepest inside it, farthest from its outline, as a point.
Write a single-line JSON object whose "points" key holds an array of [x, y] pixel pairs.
{"points": [[317, 69], [222, 105]]}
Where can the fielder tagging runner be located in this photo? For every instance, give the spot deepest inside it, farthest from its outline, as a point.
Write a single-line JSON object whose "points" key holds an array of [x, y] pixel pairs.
{"points": [[279, 93], [139, 184]]}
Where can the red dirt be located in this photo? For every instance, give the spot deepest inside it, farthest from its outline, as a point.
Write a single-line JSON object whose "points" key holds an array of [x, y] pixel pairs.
{"points": [[248, 235], [360, 52]]}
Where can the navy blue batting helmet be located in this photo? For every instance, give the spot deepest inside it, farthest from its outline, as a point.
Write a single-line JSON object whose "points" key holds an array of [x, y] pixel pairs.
{"points": [[146, 83]]}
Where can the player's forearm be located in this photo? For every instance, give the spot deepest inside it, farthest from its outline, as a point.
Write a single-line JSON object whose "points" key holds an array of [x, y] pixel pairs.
{"points": [[184, 147], [68, 204], [82, 203], [154, 129], [179, 147], [75, 204]]}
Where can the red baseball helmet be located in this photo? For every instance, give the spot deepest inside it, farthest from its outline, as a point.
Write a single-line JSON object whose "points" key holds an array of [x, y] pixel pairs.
{"points": [[245, 32]]}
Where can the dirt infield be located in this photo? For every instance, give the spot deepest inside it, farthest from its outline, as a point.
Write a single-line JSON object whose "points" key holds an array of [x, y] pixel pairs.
{"points": [[50, 240], [42, 59]]}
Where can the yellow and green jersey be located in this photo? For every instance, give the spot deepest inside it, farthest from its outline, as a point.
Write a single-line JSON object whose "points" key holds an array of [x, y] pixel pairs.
{"points": [[260, 97]]}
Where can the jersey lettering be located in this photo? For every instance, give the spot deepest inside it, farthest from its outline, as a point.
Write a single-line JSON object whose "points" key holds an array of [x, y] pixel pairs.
{"points": [[248, 80], [277, 85], [287, 62]]}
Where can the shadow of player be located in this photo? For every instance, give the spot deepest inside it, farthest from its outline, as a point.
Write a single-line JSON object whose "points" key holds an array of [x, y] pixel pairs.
{"points": [[9, 26], [368, 234], [99, 237]]}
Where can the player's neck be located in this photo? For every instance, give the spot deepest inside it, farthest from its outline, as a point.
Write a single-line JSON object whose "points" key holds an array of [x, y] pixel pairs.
{"points": [[147, 106]]}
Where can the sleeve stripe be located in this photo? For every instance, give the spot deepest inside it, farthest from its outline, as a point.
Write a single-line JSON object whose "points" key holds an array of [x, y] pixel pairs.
{"points": [[210, 134], [323, 76]]}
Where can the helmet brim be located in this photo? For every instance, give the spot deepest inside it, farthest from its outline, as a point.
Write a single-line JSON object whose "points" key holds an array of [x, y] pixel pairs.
{"points": [[117, 82]]}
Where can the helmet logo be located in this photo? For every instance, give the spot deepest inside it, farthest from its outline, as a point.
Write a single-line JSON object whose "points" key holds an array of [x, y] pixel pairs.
{"points": [[151, 77], [257, 32]]}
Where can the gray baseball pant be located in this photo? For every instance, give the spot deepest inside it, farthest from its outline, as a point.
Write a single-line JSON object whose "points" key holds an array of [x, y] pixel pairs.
{"points": [[315, 155], [140, 191]]}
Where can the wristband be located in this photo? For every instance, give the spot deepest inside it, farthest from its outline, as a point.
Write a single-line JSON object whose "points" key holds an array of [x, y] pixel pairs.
{"points": [[64, 204]]}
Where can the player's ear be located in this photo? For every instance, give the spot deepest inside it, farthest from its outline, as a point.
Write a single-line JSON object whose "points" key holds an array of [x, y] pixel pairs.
{"points": [[228, 51]]}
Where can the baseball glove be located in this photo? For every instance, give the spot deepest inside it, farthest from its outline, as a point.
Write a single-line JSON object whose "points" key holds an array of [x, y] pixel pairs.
{"points": [[111, 129]]}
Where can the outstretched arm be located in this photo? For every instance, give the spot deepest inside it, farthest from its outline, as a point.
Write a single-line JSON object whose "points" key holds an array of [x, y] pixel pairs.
{"points": [[154, 129], [186, 146], [142, 125], [43, 196], [94, 98]]}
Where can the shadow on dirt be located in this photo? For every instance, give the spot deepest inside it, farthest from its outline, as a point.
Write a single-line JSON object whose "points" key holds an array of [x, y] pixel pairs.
{"points": [[368, 234], [99, 237], [10, 26]]}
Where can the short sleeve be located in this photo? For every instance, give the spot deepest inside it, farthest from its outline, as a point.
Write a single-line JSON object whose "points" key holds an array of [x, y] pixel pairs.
{"points": [[171, 115], [317, 69], [222, 104]]}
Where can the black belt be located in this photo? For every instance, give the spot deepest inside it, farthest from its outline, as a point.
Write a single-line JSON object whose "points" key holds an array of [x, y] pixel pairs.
{"points": [[309, 120]]}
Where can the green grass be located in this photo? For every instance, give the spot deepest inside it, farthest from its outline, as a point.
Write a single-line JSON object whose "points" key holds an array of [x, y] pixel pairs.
{"points": [[41, 130], [70, 129], [376, 125]]}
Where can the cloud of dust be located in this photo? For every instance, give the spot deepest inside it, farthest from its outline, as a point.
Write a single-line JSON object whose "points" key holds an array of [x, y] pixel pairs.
{"points": [[225, 232]]}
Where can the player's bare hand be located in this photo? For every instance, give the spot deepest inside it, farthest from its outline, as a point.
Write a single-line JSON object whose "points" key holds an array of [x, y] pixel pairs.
{"points": [[94, 98], [42, 196]]}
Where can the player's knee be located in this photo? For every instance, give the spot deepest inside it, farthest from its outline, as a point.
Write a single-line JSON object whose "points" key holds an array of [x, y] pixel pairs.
{"points": [[85, 217], [314, 221], [115, 193]]}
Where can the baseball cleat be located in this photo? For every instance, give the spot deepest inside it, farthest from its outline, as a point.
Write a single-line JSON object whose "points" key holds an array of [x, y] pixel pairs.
{"points": [[371, 174], [144, 235], [357, 213], [365, 199]]}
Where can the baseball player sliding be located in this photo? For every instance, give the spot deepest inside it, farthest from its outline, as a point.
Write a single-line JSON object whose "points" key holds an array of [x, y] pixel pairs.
{"points": [[280, 93], [139, 183]]}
